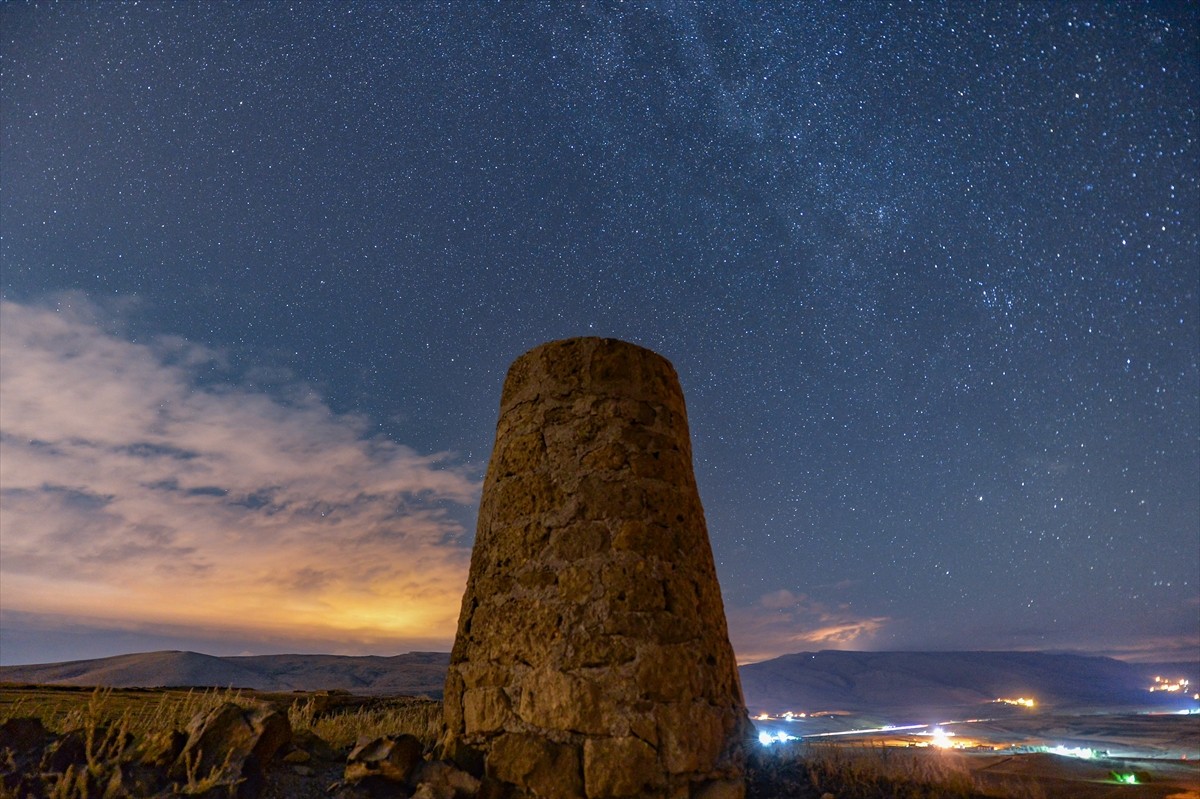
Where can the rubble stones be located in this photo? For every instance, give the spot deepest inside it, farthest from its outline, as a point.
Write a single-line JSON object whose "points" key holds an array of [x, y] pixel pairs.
{"points": [[395, 766], [592, 657], [225, 749], [393, 759], [437, 779]]}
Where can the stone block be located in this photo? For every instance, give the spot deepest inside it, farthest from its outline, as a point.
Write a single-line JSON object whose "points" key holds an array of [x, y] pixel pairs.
{"points": [[484, 710], [573, 542], [553, 699], [670, 673], [691, 736], [620, 767], [541, 766]]}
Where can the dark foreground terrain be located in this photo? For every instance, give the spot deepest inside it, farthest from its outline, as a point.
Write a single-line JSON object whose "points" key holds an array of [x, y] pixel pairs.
{"points": [[63, 742]]}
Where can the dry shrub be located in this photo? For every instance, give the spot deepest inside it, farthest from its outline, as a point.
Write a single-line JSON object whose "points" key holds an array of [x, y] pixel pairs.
{"points": [[141, 713], [117, 732], [418, 717], [872, 771]]}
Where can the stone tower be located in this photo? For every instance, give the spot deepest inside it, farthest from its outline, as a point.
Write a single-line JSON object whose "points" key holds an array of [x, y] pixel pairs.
{"points": [[592, 657]]}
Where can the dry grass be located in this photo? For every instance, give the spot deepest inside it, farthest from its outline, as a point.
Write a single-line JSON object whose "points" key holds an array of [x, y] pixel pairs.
{"points": [[153, 713], [870, 765], [124, 727], [119, 724], [141, 713], [422, 718], [118, 728], [873, 771]]}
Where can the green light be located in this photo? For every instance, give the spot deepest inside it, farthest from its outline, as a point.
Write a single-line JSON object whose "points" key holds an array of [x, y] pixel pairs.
{"points": [[1125, 779]]}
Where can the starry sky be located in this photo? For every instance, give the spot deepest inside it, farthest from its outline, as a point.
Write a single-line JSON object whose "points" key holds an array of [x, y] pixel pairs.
{"points": [[929, 274]]}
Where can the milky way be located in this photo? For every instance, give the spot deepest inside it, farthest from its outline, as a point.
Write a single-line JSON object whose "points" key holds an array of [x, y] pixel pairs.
{"points": [[929, 275]]}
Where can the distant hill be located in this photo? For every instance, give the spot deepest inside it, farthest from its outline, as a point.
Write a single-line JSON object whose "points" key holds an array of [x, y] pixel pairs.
{"points": [[809, 681], [416, 673], [865, 681]]}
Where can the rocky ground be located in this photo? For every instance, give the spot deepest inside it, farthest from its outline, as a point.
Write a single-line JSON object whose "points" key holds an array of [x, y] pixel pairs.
{"points": [[229, 751], [234, 752]]}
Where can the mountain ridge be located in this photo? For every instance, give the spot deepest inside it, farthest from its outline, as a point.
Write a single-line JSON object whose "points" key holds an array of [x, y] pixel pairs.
{"points": [[414, 673], [861, 681], [802, 682]]}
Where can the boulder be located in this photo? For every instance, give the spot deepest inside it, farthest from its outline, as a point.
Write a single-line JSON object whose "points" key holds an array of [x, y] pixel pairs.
{"points": [[23, 736], [437, 779], [394, 759], [22, 742], [232, 746], [316, 747], [69, 749], [164, 749]]}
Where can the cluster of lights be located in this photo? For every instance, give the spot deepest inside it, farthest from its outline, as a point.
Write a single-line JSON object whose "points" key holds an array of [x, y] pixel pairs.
{"points": [[1020, 701], [1080, 752], [940, 738], [785, 716], [1172, 686], [766, 738]]}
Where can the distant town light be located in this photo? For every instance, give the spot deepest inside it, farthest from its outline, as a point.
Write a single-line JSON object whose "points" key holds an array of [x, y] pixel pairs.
{"points": [[1171, 686], [766, 738], [941, 738], [1080, 752], [787, 715]]}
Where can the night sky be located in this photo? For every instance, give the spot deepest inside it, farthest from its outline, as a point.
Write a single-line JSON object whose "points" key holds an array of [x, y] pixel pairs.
{"points": [[929, 275]]}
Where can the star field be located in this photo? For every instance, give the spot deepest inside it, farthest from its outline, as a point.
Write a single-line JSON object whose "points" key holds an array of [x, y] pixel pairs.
{"points": [[929, 274]]}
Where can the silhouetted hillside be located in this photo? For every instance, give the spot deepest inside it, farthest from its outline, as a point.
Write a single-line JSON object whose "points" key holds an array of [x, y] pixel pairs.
{"points": [[865, 681], [809, 681], [415, 673]]}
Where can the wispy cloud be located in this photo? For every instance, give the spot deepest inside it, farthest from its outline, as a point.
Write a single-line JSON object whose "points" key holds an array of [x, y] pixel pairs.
{"points": [[783, 621], [136, 488]]}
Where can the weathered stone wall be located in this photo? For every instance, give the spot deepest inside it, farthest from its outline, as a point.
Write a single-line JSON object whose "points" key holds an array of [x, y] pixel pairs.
{"points": [[592, 657]]}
